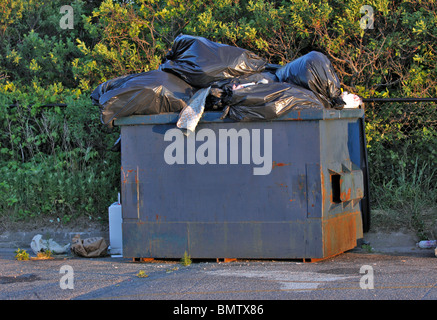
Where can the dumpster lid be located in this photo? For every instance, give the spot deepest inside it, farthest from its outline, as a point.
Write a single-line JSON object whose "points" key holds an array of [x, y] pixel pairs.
{"points": [[214, 116]]}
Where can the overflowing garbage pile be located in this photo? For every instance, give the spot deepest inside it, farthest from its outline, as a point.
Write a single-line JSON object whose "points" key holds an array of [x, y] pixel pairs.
{"points": [[199, 75], [90, 247]]}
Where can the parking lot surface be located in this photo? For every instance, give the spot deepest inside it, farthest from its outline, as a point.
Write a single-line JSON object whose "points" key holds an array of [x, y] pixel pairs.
{"points": [[354, 275]]}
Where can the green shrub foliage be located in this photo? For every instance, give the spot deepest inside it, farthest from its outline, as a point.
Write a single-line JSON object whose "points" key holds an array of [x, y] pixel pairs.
{"points": [[55, 160]]}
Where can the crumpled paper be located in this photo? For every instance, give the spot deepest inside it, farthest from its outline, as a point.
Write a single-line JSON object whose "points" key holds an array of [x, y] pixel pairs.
{"points": [[89, 247]]}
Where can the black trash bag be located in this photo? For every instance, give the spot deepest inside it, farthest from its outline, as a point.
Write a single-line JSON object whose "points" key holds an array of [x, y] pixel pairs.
{"points": [[146, 93], [221, 91], [201, 62], [116, 147], [272, 67], [262, 77], [218, 98], [315, 72], [269, 101]]}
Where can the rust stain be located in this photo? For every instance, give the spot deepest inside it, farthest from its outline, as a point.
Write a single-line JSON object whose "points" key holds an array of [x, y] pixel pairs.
{"points": [[313, 260], [137, 180], [339, 234], [124, 179], [298, 116], [322, 180], [147, 259], [226, 260], [279, 164], [346, 196], [143, 259]]}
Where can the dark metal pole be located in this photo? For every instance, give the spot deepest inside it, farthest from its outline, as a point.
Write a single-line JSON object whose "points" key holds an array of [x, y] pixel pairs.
{"points": [[399, 99]]}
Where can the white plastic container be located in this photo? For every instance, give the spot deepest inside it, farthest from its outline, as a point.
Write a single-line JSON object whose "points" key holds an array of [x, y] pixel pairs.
{"points": [[115, 231]]}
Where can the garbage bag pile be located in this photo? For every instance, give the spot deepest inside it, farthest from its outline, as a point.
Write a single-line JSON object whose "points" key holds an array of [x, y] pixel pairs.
{"points": [[201, 62], [150, 92], [314, 72], [199, 75]]}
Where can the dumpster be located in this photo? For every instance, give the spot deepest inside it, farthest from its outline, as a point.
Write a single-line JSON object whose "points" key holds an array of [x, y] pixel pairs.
{"points": [[290, 188]]}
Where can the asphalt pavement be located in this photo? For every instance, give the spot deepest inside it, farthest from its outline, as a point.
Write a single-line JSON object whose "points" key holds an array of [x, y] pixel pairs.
{"points": [[389, 267], [359, 274]]}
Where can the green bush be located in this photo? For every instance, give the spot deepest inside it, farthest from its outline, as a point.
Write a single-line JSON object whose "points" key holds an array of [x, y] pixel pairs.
{"points": [[399, 136], [56, 160], [402, 149]]}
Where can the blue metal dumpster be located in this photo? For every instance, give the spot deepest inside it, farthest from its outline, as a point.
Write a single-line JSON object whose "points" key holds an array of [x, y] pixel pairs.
{"points": [[284, 189]]}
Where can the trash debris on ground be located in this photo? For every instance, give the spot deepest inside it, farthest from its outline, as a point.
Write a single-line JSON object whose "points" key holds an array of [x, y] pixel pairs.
{"points": [[21, 254], [142, 274], [90, 247], [427, 244], [38, 244], [47, 255]]}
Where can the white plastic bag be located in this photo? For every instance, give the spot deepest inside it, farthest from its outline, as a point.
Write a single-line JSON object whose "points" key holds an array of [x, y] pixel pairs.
{"points": [[191, 114], [40, 245], [351, 100]]}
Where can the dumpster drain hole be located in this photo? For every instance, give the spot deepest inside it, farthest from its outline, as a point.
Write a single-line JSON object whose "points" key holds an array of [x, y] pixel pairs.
{"points": [[335, 186]]}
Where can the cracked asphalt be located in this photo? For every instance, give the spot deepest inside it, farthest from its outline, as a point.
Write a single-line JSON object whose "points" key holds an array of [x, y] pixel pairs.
{"points": [[354, 275]]}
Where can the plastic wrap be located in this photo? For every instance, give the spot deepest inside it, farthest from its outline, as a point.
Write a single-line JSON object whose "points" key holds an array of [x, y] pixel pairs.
{"points": [[191, 114]]}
